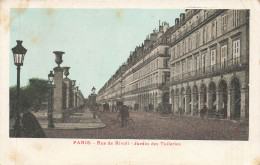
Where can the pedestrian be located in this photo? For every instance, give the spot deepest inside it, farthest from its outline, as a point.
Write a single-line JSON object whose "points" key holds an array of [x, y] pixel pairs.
{"points": [[180, 110], [113, 107], [31, 128], [203, 111], [124, 113]]}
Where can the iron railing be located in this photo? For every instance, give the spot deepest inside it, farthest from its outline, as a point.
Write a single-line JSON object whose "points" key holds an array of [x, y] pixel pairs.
{"points": [[225, 66]]}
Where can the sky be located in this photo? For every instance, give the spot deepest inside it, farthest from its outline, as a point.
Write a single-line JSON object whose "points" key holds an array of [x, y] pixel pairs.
{"points": [[95, 41]]}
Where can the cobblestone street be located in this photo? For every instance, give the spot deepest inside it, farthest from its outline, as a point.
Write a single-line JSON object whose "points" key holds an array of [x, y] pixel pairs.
{"points": [[153, 126]]}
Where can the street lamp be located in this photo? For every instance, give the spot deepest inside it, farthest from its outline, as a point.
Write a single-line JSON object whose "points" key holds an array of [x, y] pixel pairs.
{"points": [[77, 90], [50, 109], [18, 53], [93, 90]]}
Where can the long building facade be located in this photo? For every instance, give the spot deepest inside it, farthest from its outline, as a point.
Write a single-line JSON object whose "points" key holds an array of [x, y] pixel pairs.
{"points": [[144, 78], [201, 61]]}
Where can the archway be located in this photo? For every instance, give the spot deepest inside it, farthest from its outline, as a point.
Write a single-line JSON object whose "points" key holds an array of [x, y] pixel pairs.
{"points": [[188, 100], [172, 97], [183, 100], [177, 100], [166, 97], [223, 93], [235, 99], [155, 100], [195, 100], [212, 97], [203, 96], [152, 99]]}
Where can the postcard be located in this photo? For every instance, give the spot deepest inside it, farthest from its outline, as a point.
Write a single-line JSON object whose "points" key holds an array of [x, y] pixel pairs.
{"points": [[130, 82]]}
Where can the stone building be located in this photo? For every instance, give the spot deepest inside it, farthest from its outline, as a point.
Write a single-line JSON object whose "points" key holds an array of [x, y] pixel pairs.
{"points": [[210, 62], [143, 78]]}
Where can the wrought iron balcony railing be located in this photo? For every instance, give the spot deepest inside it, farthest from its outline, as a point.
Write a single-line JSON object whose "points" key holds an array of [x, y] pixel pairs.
{"points": [[212, 70]]}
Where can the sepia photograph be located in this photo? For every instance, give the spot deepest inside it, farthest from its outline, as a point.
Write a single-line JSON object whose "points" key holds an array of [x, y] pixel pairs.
{"points": [[174, 74]]}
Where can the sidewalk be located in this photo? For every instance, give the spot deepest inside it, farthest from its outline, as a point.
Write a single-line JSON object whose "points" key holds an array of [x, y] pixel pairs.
{"points": [[82, 120]]}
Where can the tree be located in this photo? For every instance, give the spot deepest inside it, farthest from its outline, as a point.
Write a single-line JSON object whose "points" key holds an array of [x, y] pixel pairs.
{"points": [[32, 96], [38, 91]]}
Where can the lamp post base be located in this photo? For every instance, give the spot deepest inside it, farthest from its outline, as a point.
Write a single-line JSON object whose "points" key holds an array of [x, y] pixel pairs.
{"points": [[51, 125]]}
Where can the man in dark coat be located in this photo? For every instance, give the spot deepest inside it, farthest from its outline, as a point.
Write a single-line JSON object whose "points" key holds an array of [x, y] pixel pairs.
{"points": [[203, 111], [124, 113], [31, 127]]}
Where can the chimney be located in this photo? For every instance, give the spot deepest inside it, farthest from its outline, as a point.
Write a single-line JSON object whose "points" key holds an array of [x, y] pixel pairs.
{"points": [[160, 28], [182, 17], [147, 43], [176, 21], [165, 26]]}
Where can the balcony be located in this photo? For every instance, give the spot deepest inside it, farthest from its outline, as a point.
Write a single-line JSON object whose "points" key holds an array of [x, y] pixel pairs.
{"points": [[212, 70], [164, 85]]}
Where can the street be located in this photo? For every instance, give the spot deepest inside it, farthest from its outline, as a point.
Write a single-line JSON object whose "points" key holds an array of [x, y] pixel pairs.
{"points": [[149, 125]]}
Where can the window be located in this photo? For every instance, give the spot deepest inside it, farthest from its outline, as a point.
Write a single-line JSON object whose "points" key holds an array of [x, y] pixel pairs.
{"points": [[223, 56], [178, 69], [198, 63], [183, 67], [190, 44], [236, 18], [166, 50], [173, 68], [214, 30], [224, 22], [178, 50], [205, 35], [203, 62], [197, 39], [183, 47], [189, 65], [173, 53], [165, 63], [213, 59], [236, 51]]}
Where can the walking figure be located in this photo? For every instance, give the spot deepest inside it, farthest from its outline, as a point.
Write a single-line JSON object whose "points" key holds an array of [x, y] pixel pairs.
{"points": [[203, 111], [124, 113]]}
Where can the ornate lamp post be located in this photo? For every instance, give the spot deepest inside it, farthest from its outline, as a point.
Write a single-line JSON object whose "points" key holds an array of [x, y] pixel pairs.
{"points": [[50, 109], [93, 90], [18, 52], [77, 90]]}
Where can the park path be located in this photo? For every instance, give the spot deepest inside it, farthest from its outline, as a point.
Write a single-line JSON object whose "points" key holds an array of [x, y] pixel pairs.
{"points": [[79, 120]]}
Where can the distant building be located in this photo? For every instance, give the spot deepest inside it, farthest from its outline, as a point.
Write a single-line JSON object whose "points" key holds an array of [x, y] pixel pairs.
{"points": [[144, 78]]}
